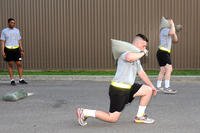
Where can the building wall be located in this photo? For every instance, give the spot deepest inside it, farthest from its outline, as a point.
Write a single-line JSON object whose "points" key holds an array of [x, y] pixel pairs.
{"points": [[75, 34]]}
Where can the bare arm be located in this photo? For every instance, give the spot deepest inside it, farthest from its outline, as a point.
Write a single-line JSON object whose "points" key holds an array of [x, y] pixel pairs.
{"points": [[146, 80], [2, 48], [175, 38], [20, 45], [172, 32], [21, 48]]}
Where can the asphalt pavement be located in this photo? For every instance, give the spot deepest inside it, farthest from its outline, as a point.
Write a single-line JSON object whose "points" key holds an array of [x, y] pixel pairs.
{"points": [[52, 108]]}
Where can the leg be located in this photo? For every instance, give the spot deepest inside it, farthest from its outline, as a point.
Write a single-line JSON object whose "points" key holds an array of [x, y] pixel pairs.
{"points": [[83, 114], [145, 92], [168, 75], [118, 100], [10, 69], [169, 70], [161, 73], [19, 68], [108, 117], [167, 89], [160, 76]]}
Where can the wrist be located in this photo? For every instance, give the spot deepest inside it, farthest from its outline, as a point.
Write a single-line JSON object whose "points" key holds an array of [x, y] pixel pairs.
{"points": [[145, 52]]}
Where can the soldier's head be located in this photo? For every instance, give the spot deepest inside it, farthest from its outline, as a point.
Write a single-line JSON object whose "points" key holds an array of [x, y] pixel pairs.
{"points": [[140, 41], [11, 23]]}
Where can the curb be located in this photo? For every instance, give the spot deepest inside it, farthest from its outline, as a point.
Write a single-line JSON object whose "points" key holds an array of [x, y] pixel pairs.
{"points": [[94, 78]]}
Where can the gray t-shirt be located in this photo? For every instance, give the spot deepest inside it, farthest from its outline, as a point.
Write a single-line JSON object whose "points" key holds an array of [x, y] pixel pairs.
{"points": [[165, 39], [127, 71], [11, 36]]}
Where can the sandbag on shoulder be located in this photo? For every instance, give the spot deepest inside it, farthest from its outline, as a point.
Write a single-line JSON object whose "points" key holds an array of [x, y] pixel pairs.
{"points": [[119, 47], [164, 23]]}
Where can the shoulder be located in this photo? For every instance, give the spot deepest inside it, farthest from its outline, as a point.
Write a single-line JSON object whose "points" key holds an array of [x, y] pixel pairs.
{"points": [[16, 29], [5, 30]]}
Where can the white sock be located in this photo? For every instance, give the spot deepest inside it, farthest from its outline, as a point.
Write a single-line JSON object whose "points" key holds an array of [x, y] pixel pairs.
{"points": [[141, 111], [21, 79], [167, 83], [89, 113], [159, 83], [12, 80]]}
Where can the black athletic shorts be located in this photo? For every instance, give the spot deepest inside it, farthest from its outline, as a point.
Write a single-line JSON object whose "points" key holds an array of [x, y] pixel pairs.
{"points": [[12, 54], [163, 58], [120, 97]]}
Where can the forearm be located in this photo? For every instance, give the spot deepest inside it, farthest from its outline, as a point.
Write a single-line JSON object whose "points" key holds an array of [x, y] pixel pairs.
{"points": [[175, 38], [2, 46], [172, 30], [20, 45], [145, 78]]}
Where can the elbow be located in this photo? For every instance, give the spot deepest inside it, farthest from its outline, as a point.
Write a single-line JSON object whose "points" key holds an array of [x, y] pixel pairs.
{"points": [[175, 42], [172, 33]]}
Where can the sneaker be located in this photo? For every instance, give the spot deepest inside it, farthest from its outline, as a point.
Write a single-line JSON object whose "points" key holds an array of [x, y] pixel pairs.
{"points": [[22, 82], [160, 89], [80, 117], [169, 91], [13, 83], [144, 119]]}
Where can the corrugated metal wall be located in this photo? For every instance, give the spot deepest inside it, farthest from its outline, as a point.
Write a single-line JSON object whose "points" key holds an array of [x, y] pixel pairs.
{"points": [[75, 34]]}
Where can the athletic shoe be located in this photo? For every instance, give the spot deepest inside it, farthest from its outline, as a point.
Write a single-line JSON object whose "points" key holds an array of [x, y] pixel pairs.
{"points": [[13, 83], [144, 119], [169, 91], [80, 117], [160, 89], [23, 82]]}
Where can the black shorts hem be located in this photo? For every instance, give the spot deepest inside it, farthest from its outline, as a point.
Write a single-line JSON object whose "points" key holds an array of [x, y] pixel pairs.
{"points": [[120, 97], [12, 55], [163, 58]]}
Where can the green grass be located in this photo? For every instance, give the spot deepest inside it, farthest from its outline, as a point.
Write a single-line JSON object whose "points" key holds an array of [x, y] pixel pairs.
{"points": [[62, 72], [110, 72]]}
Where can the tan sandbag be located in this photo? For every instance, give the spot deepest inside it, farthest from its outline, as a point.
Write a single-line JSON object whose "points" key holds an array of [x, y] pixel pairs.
{"points": [[164, 23], [119, 47], [16, 95]]}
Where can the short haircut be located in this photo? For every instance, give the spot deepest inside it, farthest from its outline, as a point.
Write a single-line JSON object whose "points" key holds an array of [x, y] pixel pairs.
{"points": [[11, 19], [143, 37]]}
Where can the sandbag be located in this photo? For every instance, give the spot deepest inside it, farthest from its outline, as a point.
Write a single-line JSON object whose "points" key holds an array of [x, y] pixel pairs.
{"points": [[165, 24], [17, 95], [119, 47]]}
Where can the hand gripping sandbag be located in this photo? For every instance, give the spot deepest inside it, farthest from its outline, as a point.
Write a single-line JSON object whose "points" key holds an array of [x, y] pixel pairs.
{"points": [[178, 28], [17, 95], [119, 47], [164, 23]]}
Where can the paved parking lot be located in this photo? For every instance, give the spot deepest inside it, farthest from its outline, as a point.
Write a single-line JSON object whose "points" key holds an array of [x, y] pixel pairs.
{"points": [[51, 109]]}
